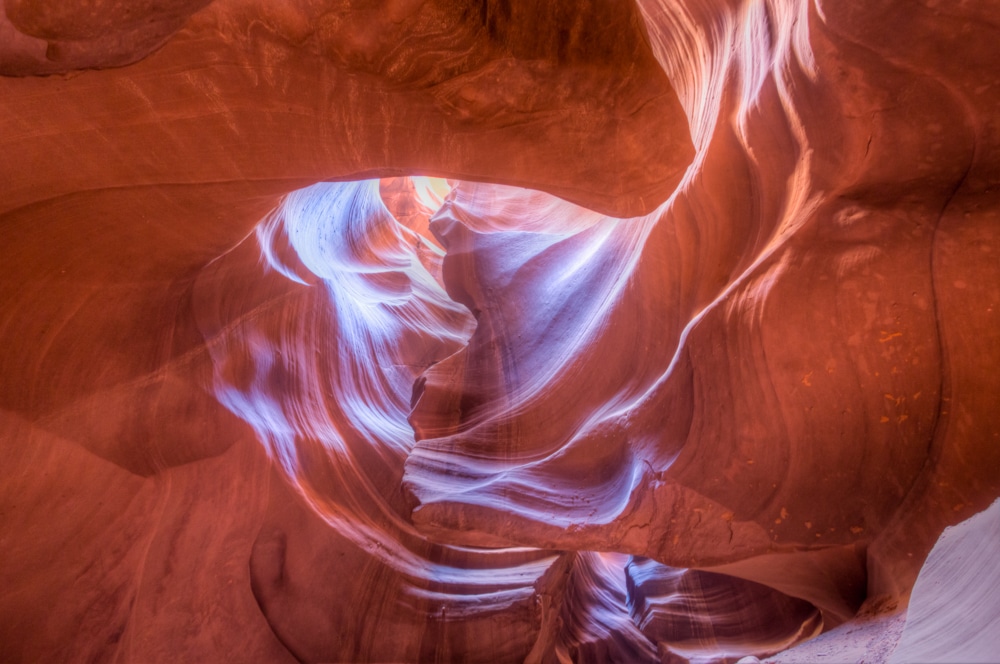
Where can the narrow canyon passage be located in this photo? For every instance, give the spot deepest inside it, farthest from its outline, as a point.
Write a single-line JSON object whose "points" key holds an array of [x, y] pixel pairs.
{"points": [[438, 330], [324, 328]]}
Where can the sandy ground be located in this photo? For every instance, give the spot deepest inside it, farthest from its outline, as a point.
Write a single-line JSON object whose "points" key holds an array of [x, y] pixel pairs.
{"points": [[862, 641]]}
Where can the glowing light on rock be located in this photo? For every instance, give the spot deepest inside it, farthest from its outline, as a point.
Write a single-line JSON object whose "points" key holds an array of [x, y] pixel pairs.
{"points": [[331, 379], [717, 380]]}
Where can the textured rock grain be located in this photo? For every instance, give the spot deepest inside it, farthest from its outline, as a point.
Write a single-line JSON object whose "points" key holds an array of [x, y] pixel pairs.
{"points": [[698, 326]]}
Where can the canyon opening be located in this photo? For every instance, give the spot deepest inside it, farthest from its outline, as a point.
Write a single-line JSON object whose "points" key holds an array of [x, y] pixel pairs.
{"points": [[498, 330]]}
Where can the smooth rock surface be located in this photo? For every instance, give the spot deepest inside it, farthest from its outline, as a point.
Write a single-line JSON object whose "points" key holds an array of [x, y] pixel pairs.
{"points": [[685, 353], [953, 614]]}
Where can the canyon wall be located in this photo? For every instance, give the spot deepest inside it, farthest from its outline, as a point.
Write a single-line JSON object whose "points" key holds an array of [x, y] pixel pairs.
{"points": [[493, 331]]}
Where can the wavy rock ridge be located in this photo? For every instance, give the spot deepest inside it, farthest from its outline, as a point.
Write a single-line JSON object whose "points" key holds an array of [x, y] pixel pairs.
{"points": [[690, 358]]}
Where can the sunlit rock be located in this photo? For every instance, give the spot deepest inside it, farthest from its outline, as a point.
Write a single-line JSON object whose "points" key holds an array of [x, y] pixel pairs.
{"points": [[953, 614], [668, 333], [701, 616]]}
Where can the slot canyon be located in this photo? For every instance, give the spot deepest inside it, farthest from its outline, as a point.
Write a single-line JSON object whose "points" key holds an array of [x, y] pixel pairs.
{"points": [[500, 331]]}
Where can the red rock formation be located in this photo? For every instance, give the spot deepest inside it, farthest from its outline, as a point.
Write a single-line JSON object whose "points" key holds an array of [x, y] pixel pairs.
{"points": [[743, 320]]}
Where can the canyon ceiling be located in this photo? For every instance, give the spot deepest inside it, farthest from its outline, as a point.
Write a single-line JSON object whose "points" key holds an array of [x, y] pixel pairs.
{"points": [[495, 330]]}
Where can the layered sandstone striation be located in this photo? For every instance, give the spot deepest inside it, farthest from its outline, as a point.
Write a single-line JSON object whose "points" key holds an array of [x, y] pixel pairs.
{"points": [[685, 352]]}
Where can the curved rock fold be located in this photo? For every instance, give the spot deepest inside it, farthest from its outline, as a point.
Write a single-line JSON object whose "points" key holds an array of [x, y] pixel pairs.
{"points": [[433, 330]]}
